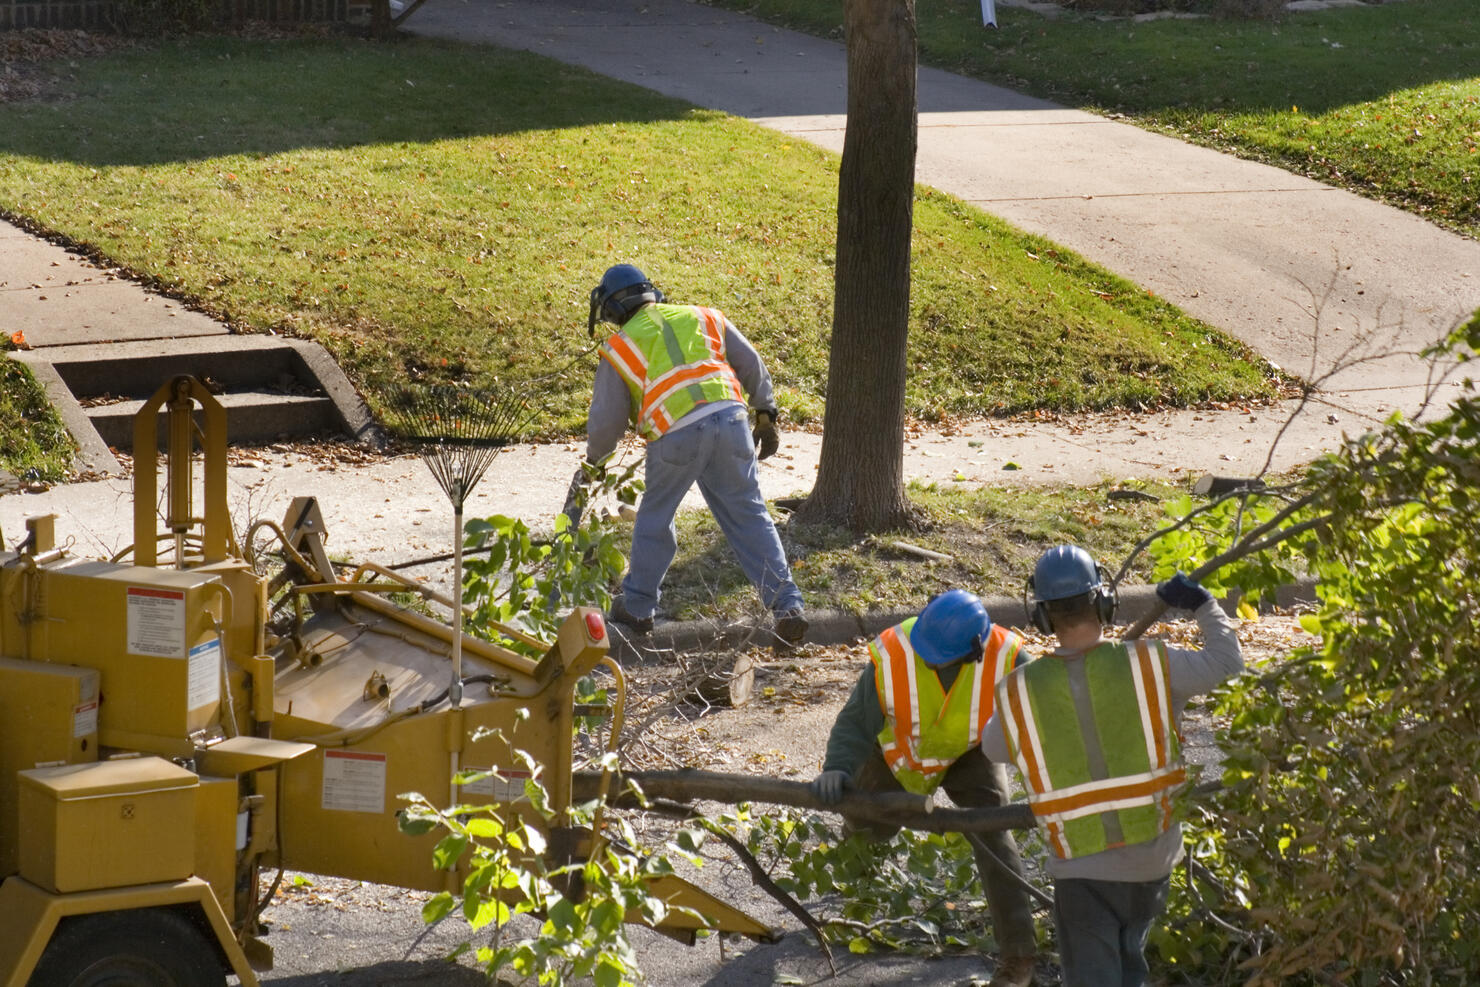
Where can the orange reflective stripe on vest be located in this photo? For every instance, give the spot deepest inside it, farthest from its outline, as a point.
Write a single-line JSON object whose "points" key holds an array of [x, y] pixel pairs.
{"points": [[927, 728], [672, 358]]}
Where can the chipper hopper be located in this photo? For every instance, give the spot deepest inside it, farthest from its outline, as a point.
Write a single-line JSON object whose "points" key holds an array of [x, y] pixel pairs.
{"points": [[175, 724]]}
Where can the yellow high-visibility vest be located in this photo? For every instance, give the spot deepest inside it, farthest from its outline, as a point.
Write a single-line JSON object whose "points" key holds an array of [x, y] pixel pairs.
{"points": [[926, 728], [672, 358], [1101, 761]]}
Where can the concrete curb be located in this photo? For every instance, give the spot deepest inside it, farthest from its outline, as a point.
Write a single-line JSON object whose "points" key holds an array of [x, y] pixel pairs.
{"points": [[829, 627]]}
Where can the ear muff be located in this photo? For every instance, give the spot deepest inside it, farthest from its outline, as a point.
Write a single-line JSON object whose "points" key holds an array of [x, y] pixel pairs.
{"points": [[1037, 612], [1107, 597], [1107, 602]]}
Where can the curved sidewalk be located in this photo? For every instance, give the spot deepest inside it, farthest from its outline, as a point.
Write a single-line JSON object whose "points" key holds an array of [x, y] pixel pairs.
{"points": [[1305, 274]]}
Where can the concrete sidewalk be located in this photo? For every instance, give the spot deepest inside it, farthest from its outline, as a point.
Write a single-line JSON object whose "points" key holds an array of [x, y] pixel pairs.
{"points": [[1234, 242], [1248, 248]]}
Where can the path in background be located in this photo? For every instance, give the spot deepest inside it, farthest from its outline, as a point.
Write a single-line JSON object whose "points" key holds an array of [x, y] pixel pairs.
{"points": [[1243, 246]]}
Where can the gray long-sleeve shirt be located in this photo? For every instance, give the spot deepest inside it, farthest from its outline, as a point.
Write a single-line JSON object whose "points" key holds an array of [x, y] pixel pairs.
{"points": [[1190, 673], [611, 409]]}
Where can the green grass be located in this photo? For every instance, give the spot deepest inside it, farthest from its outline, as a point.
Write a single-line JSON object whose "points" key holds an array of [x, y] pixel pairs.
{"points": [[1383, 99], [33, 442], [428, 210], [993, 534]]}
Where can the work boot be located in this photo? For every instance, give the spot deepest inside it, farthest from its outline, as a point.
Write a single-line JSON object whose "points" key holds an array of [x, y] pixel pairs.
{"points": [[791, 627], [1014, 971], [621, 615]]}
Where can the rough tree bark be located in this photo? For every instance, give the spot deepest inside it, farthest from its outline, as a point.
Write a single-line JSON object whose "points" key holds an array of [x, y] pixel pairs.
{"points": [[860, 479], [886, 808]]}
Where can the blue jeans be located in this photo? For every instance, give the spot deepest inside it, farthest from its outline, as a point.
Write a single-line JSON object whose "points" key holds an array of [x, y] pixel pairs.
{"points": [[1102, 928], [718, 454]]}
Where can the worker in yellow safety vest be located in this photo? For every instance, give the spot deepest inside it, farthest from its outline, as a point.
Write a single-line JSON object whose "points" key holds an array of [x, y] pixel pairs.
{"points": [[914, 721], [683, 375], [1093, 728]]}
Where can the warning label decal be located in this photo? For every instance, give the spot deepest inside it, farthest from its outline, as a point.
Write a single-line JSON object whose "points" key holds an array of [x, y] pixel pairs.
{"points": [[85, 719], [354, 781], [156, 622], [204, 686]]}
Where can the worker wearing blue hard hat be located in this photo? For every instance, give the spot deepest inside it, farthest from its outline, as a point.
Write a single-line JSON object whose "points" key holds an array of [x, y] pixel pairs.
{"points": [[914, 722], [1093, 729], [683, 375]]}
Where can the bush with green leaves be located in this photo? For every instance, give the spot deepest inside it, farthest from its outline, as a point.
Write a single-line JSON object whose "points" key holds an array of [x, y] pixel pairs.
{"points": [[917, 892], [577, 909], [1342, 848], [513, 578]]}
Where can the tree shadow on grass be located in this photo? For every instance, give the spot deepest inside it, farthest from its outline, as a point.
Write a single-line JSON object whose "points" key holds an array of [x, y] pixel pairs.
{"points": [[202, 98]]}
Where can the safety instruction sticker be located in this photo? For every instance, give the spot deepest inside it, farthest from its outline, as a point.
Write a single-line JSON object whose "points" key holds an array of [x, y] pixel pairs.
{"points": [[354, 781], [204, 683], [85, 719], [506, 789], [156, 622]]}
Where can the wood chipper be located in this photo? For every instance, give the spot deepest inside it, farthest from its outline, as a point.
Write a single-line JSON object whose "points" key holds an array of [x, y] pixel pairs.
{"points": [[173, 724]]}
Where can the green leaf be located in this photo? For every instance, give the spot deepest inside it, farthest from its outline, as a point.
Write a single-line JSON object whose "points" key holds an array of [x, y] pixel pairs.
{"points": [[437, 907], [485, 828], [448, 851]]}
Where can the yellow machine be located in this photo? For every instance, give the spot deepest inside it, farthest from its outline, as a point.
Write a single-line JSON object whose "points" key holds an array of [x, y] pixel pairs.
{"points": [[168, 732]]}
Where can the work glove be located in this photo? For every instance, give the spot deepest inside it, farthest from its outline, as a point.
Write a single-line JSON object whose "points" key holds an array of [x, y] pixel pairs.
{"points": [[766, 439], [585, 473], [828, 786], [1182, 593]]}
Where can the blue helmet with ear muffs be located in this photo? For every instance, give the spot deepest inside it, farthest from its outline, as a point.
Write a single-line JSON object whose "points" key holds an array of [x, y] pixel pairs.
{"points": [[1064, 572], [623, 290], [952, 626]]}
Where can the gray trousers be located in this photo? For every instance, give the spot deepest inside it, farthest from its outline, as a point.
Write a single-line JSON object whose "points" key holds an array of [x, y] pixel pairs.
{"points": [[974, 782], [1102, 928]]}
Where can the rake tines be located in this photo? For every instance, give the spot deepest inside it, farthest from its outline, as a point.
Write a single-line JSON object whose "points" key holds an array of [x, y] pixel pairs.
{"points": [[460, 431]]}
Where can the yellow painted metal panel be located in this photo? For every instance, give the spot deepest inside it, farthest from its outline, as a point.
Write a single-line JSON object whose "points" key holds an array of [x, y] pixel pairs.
{"points": [[717, 915], [339, 806], [238, 755], [150, 633], [48, 715], [109, 824], [216, 806]]}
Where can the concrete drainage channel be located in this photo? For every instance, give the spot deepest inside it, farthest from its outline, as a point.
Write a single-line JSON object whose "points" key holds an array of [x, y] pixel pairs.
{"points": [[272, 388]]}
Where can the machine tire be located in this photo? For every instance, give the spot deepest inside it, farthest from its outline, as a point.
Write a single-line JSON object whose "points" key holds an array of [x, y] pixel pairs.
{"points": [[147, 947]]}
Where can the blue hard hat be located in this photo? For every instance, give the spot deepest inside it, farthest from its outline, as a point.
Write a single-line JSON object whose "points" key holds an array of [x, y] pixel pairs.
{"points": [[1066, 571], [623, 290], [952, 626]]}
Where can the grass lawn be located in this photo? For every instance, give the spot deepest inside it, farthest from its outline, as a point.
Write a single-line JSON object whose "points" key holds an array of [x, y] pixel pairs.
{"points": [[428, 210], [994, 536], [1382, 99], [34, 443]]}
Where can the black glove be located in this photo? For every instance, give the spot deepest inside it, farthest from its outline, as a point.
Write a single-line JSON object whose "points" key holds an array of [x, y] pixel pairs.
{"points": [[585, 473], [829, 785], [1182, 593], [765, 437]]}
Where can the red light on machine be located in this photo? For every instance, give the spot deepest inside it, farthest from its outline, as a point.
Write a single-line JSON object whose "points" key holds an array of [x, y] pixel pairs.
{"points": [[595, 626]]}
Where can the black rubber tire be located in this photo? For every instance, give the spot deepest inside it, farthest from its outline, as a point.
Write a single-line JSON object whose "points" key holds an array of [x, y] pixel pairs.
{"points": [[146, 947]]}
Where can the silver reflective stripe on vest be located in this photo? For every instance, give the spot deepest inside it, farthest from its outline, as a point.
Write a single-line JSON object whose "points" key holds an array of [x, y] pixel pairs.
{"points": [[675, 352], [1094, 750]]}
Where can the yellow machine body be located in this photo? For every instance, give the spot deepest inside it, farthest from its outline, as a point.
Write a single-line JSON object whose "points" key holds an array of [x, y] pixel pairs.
{"points": [[166, 732]]}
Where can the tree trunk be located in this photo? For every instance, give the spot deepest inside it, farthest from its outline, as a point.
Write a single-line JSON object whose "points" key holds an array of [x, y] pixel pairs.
{"points": [[860, 480], [380, 19]]}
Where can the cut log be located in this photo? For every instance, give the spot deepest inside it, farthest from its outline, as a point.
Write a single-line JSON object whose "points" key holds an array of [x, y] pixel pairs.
{"points": [[881, 808], [728, 684]]}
